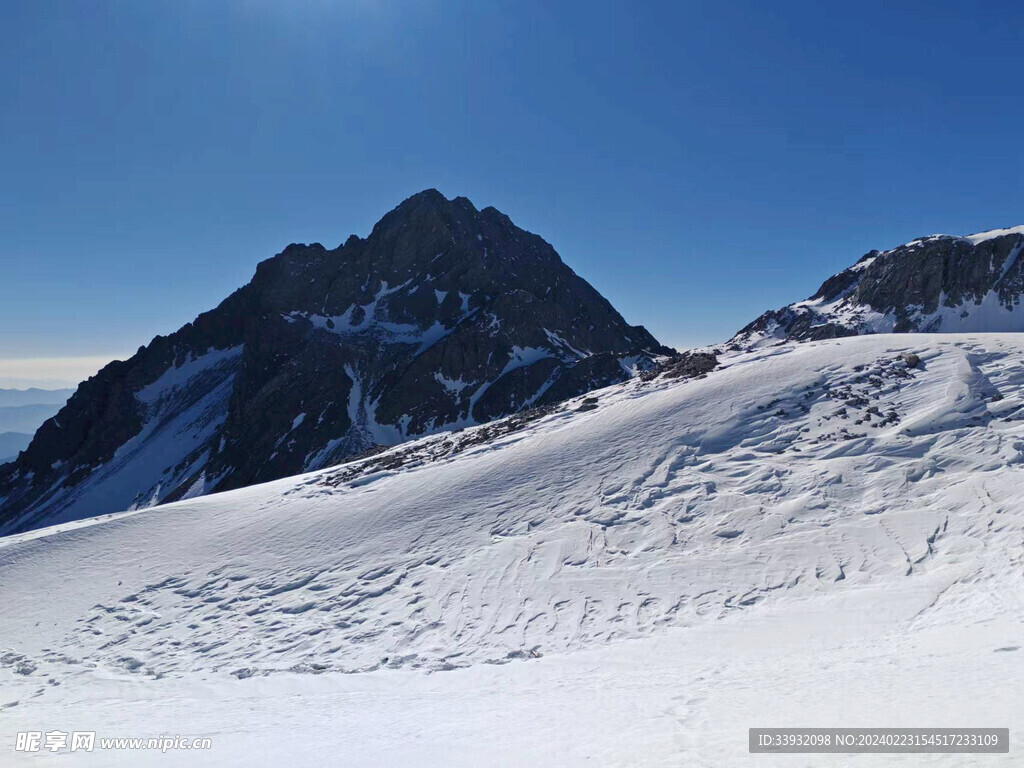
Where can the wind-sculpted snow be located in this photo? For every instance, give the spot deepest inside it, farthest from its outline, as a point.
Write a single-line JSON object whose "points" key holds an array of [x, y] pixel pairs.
{"points": [[785, 475]]}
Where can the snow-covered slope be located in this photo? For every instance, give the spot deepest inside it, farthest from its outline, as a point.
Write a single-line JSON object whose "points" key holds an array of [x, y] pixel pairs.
{"points": [[685, 561], [939, 283]]}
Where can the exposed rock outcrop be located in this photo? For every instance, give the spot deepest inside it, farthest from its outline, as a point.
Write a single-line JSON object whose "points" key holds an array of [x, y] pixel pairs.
{"points": [[934, 284]]}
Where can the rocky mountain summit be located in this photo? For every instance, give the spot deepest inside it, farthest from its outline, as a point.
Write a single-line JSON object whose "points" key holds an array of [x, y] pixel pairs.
{"points": [[445, 316], [939, 283]]}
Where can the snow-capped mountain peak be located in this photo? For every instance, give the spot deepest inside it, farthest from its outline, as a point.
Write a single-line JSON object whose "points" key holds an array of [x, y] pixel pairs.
{"points": [[939, 283], [445, 316]]}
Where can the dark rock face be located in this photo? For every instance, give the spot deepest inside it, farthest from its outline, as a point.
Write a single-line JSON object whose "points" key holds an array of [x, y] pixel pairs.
{"points": [[444, 316], [935, 284], [689, 365]]}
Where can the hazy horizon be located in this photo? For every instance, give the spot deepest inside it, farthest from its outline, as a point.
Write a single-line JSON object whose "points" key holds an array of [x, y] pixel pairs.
{"points": [[51, 372]]}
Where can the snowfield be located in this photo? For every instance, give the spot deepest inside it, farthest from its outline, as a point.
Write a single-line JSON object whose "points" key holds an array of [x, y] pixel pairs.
{"points": [[813, 534]]}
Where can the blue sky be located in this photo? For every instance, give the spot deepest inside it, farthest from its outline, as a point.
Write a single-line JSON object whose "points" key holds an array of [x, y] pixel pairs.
{"points": [[698, 162]]}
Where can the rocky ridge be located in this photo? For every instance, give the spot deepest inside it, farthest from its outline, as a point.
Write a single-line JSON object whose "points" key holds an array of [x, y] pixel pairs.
{"points": [[939, 283]]}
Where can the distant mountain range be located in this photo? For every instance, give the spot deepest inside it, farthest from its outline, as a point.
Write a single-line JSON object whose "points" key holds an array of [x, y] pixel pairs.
{"points": [[33, 396], [940, 283], [446, 316], [25, 418], [22, 411], [11, 443]]}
